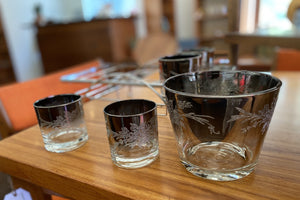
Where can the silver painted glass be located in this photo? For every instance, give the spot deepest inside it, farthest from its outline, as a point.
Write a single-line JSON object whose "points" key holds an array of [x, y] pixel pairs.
{"points": [[220, 120], [61, 120], [207, 54], [132, 132], [178, 64]]}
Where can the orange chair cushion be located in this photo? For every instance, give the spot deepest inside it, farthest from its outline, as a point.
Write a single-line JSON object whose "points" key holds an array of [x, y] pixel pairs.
{"points": [[288, 59], [57, 198], [18, 98]]}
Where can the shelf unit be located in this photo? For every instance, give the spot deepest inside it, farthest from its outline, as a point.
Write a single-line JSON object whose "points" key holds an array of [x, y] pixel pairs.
{"points": [[213, 19], [6, 68]]}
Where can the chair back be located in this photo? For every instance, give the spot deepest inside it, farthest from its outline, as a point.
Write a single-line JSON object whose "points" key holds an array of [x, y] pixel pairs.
{"points": [[287, 59], [16, 100]]}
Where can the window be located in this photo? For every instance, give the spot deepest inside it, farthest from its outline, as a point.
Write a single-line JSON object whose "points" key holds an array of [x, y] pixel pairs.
{"points": [[108, 8], [273, 15]]}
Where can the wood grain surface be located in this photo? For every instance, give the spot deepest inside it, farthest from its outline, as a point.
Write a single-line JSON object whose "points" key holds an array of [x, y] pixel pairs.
{"points": [[89, 174]]}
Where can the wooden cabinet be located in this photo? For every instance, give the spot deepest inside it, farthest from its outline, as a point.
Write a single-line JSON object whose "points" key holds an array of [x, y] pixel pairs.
{"points": [[63, 45], [6, 69]]}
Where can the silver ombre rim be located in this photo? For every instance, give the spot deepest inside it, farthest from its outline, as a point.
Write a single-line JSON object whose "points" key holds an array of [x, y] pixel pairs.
{"points": [[187, 57], [278, 85], [55, 96], [133, 115]]}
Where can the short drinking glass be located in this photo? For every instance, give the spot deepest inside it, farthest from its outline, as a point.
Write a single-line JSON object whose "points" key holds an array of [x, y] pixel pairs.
{"points": [[132, 132], [61, 120]]}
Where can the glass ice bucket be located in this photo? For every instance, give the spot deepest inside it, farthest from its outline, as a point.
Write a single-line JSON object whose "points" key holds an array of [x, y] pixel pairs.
{"points": [[220, 120]]}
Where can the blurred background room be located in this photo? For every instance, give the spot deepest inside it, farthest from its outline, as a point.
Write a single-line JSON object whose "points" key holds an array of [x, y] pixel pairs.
{"points": [[40, 36]]}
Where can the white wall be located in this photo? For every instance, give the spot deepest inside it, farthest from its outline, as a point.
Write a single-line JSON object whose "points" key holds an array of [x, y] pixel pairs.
{"points": [[184, 18], [247, 18], [17, 16], [141, 28], [70, 9]]}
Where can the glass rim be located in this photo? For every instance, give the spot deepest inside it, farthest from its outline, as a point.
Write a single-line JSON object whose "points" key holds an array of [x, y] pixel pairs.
{"points": [[188, 56], [276, 87], [201, 50], [153, 107], [78, 98]]}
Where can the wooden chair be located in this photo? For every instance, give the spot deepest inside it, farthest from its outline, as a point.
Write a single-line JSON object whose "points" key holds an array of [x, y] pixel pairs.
{"points": [[16, 100], [287, 59], [157, 43]]}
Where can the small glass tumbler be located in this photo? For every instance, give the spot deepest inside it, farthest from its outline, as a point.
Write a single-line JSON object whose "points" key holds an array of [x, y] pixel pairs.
{"points": [[132, 132], [61, 120], [178, 64], [207, 53]]}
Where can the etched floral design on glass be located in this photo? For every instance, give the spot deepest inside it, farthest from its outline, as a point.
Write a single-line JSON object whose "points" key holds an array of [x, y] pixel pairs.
{"points": [[177, 116], [262, 118], [138, 135], [63, 120]]}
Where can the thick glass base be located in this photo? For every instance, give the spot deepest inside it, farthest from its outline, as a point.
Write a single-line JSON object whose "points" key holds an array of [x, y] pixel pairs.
{"points": [[66, 141], [133, 163], [218, 175], [219, 161]]}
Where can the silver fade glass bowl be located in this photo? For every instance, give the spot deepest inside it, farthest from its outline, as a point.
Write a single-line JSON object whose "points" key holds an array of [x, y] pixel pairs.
{"points": [[220, 119]]}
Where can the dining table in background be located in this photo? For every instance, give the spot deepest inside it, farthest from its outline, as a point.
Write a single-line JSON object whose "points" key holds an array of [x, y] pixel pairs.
{"points": [[88, 172], [271, 38]]}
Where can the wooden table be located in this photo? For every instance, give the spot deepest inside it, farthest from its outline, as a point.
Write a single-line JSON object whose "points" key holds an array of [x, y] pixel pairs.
{"points": [[288, 39], [89, 174]]}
